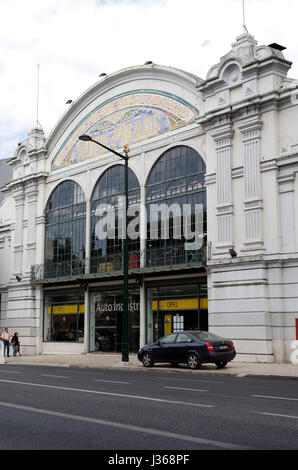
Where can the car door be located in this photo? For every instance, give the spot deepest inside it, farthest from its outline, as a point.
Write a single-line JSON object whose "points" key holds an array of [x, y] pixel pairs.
{"points": [[164, 351], [181, 347]]}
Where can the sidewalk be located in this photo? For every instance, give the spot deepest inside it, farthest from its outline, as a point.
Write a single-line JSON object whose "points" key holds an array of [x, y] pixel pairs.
{"points": [[105, 360]]}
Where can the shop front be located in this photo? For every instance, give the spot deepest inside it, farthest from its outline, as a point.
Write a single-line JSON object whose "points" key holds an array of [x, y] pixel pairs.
{"points": [[173, 308], [106, 316], [170, 307], [64, 317]]}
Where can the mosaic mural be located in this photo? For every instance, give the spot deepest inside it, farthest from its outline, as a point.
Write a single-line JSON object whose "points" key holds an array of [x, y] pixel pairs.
{"points": [[125, 119]]}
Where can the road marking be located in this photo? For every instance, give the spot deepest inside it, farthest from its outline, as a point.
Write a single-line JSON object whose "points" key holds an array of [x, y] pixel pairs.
{"points": [[274, 398], [127, 427], [55, 376], [189, 389], [10, 372], [192, 380], [112, 381], [109, 394], [275, 414]]}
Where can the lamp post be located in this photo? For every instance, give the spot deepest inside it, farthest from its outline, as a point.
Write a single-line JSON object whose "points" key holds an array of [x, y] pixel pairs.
{"points": [[125, 349]]}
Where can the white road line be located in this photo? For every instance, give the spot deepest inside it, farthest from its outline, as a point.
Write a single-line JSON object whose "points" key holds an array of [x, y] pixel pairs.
{"points": [[55, 376], [275, 414], [127, 427], [274, 398], [112, 381], [191, 380], [109, 394], [10, 372], [189, 389]]}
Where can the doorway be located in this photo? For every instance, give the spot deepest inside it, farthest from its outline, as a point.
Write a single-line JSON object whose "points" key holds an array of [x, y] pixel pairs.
{"points": [[173, 308]]}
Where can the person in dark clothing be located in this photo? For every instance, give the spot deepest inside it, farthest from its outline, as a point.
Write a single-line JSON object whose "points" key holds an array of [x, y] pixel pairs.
{"points": [[15, 344]]}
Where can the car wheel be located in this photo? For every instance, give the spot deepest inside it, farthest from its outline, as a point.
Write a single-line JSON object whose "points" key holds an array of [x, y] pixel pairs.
{"points": [[193, 361], [147, 360], [221, 365]]}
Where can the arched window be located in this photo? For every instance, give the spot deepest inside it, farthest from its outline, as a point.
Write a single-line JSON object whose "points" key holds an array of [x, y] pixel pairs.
{"points": [[107, 220], [65, 231], [176, 185]]}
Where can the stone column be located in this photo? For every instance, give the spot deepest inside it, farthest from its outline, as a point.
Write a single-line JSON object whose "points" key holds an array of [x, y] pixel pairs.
{"points": [[39, 319], [224, 208], [143, 226], [31, 198], [143, 254], [88, 236], [142, 314], [86, 321], [253, 202], [18, 230], [287, 212]]}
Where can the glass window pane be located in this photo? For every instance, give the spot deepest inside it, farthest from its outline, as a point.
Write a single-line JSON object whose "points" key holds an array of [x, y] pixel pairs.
{"points": [[65, 230], [180, 182], [106, 255]]}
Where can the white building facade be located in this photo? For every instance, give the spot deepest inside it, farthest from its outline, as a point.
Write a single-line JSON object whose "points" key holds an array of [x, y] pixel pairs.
{"points": [[228, 143]]}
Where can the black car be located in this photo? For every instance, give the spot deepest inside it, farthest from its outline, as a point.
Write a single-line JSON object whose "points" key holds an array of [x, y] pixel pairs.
{"points": [[191, 347]]}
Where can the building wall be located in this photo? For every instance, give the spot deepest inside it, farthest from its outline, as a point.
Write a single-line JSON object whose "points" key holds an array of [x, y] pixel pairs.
{"points": [[246, 132]]}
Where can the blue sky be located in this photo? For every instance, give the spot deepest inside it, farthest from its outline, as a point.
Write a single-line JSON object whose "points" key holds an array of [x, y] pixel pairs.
{"points": [[76, 40]]}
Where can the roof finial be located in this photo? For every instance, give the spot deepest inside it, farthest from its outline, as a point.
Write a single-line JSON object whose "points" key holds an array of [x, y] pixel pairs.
{"points": [[244, 22]]}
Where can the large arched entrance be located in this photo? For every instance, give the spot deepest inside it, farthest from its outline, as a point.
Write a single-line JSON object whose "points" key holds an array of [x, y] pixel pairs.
{"points": [[64, 257], [106, 301], [176, 239]]}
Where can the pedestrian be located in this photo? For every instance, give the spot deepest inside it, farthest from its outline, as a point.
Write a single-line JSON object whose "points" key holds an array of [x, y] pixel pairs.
{"points": [[15, 344], [5, 337]]}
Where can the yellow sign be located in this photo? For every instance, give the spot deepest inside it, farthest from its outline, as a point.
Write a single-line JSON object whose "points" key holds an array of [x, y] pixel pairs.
{"points": [[66, 309], [179, 304]]}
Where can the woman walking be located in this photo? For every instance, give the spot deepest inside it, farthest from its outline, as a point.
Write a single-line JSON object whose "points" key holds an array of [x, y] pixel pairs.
{"points": [[15, 344]]}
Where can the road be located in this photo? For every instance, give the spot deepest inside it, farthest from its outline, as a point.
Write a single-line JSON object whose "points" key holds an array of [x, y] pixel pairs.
{"points": [[51, 408]]}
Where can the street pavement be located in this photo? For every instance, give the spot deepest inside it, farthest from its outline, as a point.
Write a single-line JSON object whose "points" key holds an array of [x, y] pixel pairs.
{"points": [[114, 361], [51, 408]]}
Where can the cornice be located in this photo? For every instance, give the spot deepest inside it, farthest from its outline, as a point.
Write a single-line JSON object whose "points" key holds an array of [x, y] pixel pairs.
{"points": [[243, 109], [251, 125], [23, 182], [223, 135], [5, 227]]}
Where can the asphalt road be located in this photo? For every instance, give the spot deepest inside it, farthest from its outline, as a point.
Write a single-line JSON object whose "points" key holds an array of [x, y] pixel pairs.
{"points": [[51, 408]]}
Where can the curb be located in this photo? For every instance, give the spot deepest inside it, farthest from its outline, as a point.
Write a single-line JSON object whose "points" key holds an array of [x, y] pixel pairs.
{"points": [[270, 376], [162, 369]]}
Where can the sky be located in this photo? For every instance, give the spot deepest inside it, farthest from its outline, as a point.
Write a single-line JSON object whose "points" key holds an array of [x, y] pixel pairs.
{"points": [[74, 41]]}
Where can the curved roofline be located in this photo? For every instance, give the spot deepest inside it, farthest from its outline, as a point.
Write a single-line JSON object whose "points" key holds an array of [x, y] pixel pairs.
{"points": [[108, 82]]}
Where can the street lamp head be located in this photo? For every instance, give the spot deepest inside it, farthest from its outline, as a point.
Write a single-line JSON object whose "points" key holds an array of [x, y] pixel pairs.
{"points": [[85, 138]]}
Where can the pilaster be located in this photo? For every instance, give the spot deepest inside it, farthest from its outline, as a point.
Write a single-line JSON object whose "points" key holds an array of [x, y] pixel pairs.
{"points": [[224, 207], [88, 236], [253, 202], [287, 211], [19, 198], [31, 193]]}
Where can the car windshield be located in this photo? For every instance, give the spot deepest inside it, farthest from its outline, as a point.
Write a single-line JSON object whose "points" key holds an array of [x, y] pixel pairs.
{"points": [[206, 336]]}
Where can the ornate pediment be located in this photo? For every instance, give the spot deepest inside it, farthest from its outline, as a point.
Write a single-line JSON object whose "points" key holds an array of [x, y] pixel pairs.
{"points": [[128, 118]]}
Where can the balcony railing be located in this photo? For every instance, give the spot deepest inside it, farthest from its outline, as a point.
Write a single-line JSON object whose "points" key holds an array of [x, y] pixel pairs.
{"points": [[153, 259]]}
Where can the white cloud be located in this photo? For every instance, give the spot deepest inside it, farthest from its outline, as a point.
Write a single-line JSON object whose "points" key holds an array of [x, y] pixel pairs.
{"points": [[76, 40]]}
